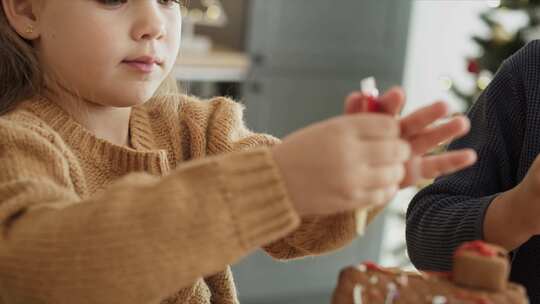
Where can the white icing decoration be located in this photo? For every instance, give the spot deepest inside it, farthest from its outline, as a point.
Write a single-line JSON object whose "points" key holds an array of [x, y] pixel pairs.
{"points": [[439, 300], [392, 292], [362, 268], [357, 294], [374, 280]]}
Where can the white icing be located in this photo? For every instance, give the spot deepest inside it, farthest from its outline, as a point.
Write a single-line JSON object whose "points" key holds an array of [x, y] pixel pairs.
{"points": [[357, 294], [439, 300]]}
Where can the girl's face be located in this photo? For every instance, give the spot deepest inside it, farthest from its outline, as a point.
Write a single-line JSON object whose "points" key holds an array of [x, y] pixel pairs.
{"points": [[109, 52]]}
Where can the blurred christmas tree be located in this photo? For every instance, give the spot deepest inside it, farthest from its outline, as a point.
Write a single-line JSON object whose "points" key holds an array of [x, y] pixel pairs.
{"points": [[500, 44]]}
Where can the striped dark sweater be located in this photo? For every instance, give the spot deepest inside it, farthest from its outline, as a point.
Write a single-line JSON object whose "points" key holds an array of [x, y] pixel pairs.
{"points": [[506, 135]]}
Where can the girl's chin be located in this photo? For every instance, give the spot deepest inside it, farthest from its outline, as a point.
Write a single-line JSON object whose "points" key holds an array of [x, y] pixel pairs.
{"points": [[124, 101], [128, 102], [136, 98]]}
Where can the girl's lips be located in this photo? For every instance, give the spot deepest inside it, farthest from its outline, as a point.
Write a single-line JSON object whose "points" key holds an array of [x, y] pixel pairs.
{"points": [[143, 67], [145, 64]]}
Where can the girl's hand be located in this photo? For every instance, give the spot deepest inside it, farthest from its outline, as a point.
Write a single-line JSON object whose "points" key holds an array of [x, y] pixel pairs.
{"points": [[344, 163], [418, 130]]}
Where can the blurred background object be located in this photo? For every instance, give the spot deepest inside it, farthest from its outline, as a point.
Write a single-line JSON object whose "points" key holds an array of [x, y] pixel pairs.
{"points": [[292, 62], [223, 64], [512, 24], [200, 13]]}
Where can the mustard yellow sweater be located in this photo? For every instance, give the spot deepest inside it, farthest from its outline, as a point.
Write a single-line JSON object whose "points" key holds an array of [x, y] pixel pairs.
{"points": [[85, 221]]}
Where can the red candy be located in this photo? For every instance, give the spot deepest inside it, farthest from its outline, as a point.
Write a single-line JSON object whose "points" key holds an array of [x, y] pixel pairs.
{"points": [[373, 104], [371, 93], [373, 267], [479, 247], [370, 266]]}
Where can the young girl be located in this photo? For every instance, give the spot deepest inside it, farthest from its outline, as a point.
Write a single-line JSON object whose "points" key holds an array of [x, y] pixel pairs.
{"points": [[111, 192], [498, 199]]}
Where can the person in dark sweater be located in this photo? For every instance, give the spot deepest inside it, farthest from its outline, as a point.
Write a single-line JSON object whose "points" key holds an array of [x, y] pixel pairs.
{"points": [[498, 199]]}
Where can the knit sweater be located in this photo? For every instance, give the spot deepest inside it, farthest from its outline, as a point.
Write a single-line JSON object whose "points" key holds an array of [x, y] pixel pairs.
{"points": [[506, 135], [86, 221]]}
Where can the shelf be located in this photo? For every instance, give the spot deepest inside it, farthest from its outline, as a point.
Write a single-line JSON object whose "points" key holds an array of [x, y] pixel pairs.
{"points": [[219, 65]]}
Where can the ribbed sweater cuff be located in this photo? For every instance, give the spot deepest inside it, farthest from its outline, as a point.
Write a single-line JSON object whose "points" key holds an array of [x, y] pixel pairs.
{"points": [[257, 197]]}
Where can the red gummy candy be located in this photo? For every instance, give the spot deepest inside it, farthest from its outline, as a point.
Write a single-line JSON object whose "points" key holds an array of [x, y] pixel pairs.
{"points": [[479, 247], [372, 266], [373, 104]]}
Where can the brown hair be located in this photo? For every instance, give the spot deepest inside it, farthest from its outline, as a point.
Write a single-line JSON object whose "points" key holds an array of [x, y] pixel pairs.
{"points": [[20, 75]]}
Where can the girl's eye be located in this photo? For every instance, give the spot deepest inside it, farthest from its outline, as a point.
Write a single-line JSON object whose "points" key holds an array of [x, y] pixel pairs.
{"points": [[170, 2], [112, 3]]}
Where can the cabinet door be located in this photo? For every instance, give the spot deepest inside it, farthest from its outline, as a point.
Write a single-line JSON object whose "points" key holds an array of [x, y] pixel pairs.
{"points": [[281, 104], [329, 34], [308, 55]]}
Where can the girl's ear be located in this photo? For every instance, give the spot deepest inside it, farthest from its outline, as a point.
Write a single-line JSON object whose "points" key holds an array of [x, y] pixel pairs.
{"points": [[22, 15]]}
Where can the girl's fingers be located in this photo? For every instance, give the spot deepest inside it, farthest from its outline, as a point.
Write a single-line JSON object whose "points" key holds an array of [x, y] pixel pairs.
{"points": [[392, 101], [430, 138], [381, 176], [373, 126], [355, 103], [377, 197], [416, 122], [383, 152], [447, 163]]}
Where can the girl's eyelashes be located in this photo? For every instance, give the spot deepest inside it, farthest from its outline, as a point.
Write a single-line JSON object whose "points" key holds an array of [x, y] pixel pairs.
{"points": [[112, 3], [170, 2], [116, 3]]}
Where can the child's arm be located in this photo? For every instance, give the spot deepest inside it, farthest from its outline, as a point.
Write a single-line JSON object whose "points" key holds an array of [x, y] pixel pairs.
{"points": [[452, 210], [316, 234], [144, 237], [321, 234], [138, 241]]}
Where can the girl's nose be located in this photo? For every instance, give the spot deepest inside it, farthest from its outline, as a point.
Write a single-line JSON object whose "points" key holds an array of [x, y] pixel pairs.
{"points": [[149, 23]]}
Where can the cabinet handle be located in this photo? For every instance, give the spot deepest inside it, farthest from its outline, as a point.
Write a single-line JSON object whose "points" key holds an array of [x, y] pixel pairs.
{"points": [[258, 59], [256, 87]]}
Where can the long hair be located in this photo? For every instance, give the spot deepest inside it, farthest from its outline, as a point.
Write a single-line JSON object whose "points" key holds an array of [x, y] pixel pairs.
{"points": [[20, 75]]}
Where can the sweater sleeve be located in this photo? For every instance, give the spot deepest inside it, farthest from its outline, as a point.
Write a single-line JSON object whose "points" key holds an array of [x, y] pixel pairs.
{"points": [[316, 235], [451, 211], [137, 241]]}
